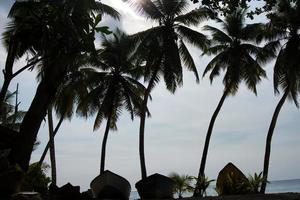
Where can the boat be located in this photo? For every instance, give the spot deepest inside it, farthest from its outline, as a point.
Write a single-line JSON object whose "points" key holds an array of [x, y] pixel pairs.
{"points": [[109, 185], [156, 186]]}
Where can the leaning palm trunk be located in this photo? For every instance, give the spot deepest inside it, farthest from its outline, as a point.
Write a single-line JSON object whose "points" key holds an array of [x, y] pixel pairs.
{"points": [[104, 141], [52, 146], [197, 191], [142, 124], [48, 144], [269, 140], [8, 73], [45, 94]]}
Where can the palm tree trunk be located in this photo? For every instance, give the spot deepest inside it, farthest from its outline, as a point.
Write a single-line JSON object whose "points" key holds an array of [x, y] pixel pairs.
{"points": [[104, 141], [9, 75], [269, 140], [197, 192], [48, 144], [8, 72], [142, 125], [52, 146], [45, 93]]}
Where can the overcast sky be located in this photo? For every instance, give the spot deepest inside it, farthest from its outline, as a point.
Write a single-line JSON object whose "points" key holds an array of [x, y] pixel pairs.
{"points": [[175, 134]]}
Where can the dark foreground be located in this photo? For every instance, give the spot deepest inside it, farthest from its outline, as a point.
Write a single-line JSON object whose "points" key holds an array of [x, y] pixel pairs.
{"points": [[282, 196]]}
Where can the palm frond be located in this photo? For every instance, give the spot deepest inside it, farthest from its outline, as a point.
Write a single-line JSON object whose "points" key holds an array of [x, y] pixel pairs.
{"points": [[146, 8], [218, 35], [108, 10], [188, 60], [193, 37], [194, 17]]}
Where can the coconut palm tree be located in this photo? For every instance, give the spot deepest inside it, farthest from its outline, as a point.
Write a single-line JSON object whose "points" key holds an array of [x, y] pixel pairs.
{"points": [[68, 33], [113, 87], [237, 54], [20, 37], [284, 26], [22, 33], [73, 88], [164, 48]]}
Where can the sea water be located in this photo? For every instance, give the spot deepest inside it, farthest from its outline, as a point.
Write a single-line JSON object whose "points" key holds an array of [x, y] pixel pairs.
{"points": [[273, 187]]}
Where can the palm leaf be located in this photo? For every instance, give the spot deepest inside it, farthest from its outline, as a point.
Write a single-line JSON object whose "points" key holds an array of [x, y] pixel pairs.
{"points": [[146, 8], [188, 59], [193, 37]]}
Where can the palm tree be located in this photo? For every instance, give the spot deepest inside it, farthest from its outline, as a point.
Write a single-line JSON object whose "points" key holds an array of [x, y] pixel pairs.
{"points": [[72, 90], [20, 37], [67, 98], [114, 87], [164, 48], [235, 52], [183, 183], [284, 22], [22, 33], [68, 34]]}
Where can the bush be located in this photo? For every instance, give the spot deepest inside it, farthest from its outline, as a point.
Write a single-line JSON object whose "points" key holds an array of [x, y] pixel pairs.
{"points": [[36, 178]]}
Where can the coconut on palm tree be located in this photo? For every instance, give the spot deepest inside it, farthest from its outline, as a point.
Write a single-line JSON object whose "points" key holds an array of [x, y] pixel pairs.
{"points": [[165, 49], [236, 53], [284, 26]]}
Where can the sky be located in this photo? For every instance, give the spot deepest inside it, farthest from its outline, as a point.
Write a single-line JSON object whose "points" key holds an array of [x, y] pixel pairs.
{"points": [[176, 131]]}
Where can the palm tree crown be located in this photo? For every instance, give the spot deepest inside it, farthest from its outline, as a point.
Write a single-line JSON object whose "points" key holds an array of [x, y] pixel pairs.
{"points": [[172, 34], [114, 87], [236, 53]]}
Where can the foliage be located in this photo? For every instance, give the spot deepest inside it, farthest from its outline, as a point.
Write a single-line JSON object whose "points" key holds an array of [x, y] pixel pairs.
{"points": [[168, 41], [226, 7], [10, 116], [36, 178], [255, 182], [183, 183], [202, 184], [236, 52], [113, 85]]}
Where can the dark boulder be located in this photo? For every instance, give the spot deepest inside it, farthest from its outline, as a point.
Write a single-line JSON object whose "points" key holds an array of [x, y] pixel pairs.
{"points": [[232, 181]]}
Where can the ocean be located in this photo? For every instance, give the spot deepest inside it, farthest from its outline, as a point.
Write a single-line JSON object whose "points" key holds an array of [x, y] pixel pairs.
{"points": [[273, 187]]}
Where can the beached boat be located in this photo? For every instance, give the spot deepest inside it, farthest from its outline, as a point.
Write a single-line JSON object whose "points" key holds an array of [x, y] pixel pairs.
{"points": [[156, 186], [109, 185]]}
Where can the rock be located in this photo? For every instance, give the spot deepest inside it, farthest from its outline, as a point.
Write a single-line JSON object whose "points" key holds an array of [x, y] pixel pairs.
{"points": [[10, 181], [232, 181]]}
